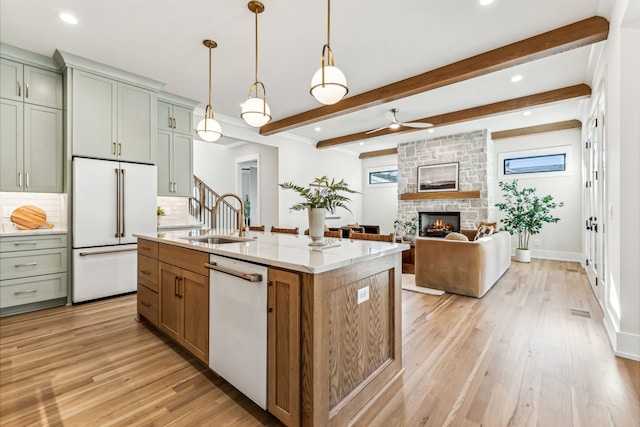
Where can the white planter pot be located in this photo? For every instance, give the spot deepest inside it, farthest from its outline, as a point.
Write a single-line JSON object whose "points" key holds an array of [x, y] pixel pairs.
{"points": [[523, 255], [316, 224]]}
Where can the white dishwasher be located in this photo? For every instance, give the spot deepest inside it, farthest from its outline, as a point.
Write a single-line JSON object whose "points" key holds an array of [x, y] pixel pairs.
{"points": [[238, 325]]}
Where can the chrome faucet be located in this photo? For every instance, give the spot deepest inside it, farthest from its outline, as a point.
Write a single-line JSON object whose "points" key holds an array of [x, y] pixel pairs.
{"points": [[240, 213]]}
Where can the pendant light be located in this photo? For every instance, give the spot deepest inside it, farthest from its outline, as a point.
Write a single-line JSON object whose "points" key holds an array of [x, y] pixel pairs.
{"points": [[328, 85], [209, 129], [255, 110]]}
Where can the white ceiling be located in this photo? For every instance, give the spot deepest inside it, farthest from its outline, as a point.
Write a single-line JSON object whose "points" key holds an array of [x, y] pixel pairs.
{"points": [[375, 42]]}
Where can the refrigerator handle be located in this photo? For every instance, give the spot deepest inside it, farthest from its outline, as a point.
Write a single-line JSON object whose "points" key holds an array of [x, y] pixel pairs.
{"points": [[122, 234], [117, 202]]}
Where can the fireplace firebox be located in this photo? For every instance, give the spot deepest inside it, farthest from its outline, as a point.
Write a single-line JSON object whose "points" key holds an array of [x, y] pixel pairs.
{"points": [[438, 224]]}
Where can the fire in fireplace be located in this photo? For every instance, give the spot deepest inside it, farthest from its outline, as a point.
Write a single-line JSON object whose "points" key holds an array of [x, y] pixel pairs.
{"points": [[438, 224]]}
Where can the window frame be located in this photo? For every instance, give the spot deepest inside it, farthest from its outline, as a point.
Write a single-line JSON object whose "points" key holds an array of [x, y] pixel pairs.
{"points": [[565, 150]]}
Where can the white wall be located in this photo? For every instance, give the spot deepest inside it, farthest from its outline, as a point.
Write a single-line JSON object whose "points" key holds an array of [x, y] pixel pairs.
{"points": [[300, 163], [563, 240], [215, 164], [618, 71], [379, 203]]}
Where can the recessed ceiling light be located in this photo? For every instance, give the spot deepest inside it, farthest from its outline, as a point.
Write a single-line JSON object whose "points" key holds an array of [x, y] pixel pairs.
{"points": [[68, 18], [485, 2], [516, 78], [317, 128], [431, 130], [362, 143], [527, 113]]}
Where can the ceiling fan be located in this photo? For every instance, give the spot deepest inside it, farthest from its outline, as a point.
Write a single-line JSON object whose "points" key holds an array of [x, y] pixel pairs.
{"points": [[395, 124]]}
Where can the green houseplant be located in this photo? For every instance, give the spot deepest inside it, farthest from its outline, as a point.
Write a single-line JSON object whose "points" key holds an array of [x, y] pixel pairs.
{"points": [[525, 214], [322, 196], [406, 229]]}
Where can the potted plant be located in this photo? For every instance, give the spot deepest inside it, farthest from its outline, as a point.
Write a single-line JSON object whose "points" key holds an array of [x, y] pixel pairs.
{"points": [[525, 214], [321, 196], [406, 229], [247, 210], [160, 212]]}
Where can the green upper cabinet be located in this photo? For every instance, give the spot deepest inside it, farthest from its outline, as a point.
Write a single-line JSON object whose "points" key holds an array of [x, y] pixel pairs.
{"points": [[31, 148], [175, 145], [33, 85], [175, 118], [31, 123], [112, 120]]}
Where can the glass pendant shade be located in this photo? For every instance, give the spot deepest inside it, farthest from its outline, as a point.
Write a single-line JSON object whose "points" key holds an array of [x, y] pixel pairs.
{"points": [[256, 112], [334, 87], [209, 129]]}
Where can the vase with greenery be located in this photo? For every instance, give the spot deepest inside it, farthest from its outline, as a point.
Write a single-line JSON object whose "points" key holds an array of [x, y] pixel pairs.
{"points": [[406, 229], [247, 210], [525, 214], [322, 196], [160, 213]]}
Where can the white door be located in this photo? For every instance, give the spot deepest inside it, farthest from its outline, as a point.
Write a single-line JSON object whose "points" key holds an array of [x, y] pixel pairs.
{"points": [[139, 188], [95, 203], [595, 202]]}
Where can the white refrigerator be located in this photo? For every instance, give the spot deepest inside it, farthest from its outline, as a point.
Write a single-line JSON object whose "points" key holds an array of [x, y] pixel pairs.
{"points": [[111, 201]]}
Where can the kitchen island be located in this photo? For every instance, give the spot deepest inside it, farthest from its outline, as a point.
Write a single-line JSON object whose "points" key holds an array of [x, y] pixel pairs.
{"points": [[333, 315]]}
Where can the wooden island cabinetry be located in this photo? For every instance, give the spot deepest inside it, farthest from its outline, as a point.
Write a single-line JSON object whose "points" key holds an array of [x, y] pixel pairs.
{"points": [[333, 328], [173, 294]]}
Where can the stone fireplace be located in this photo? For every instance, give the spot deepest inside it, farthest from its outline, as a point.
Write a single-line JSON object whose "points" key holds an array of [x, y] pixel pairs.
{"points": [[438, 224], [474, 153]]}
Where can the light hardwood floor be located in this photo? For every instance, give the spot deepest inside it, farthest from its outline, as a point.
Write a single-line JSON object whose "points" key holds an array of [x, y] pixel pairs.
{"points": [[517, 357]]}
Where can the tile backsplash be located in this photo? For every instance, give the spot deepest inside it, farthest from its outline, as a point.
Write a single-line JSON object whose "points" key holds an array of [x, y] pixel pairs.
{"points": [[174, 205], [55, 205]]}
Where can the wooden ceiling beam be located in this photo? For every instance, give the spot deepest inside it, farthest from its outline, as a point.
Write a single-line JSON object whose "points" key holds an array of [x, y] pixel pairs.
{"points": [[578, 34], [577, 91], [531, 130], [378, 153]]}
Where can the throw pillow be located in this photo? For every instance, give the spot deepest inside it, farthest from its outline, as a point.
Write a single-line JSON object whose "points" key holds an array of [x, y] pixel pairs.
{"points": [[483, 231], [457, 236], [493, 225]]}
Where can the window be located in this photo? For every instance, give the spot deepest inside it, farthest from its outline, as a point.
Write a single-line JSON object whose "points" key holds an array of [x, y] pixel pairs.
{"points": [[535, 164], [383, 177], [548, 162]]}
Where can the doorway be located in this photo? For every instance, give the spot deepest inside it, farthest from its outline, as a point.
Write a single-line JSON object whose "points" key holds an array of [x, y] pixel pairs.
{"points": [[595, 199], [248, 187]]}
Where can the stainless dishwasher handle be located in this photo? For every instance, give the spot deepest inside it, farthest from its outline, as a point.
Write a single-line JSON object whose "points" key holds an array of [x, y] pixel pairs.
{"points": [[249, 277]]}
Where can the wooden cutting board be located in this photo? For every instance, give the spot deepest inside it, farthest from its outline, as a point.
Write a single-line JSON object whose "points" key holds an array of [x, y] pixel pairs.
{"points": [[29, 217]]}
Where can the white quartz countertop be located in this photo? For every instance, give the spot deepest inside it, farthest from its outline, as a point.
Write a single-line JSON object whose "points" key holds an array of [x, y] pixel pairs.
{"points": [[178, 221], [9, 229], [284, 250]]}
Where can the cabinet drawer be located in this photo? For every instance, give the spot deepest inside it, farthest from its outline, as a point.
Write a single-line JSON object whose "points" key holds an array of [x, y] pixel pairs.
{"points": [[32, 289], [28, 243], [148, 248], [148, 304], [148, 272], [188, 259], [14, 265]]}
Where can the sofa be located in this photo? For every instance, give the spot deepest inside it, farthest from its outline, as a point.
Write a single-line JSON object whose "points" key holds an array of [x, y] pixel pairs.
{"points": [[462, 267]]}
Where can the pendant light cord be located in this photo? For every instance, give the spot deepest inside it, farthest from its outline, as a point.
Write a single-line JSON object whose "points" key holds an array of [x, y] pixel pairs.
{"points": [[209, 75], [256, 13], [328, 22]]}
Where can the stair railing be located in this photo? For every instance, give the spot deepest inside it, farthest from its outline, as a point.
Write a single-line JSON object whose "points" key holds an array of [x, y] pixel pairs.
{"points": [[203, 199]]}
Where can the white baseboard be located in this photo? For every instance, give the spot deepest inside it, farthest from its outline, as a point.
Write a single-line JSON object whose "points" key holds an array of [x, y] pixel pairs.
{"points": [[624, 344], [554, 255]]}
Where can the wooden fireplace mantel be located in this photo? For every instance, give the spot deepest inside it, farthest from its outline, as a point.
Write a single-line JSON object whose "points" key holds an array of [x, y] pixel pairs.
{"points": [[441, 195]]}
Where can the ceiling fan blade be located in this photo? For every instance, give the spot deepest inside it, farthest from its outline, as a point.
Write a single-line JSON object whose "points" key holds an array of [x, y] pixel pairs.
{"points": [[417, 125], [376, 130]]}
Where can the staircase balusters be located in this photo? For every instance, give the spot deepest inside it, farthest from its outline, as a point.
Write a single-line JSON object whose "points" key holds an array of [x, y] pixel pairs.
{"points": [[201, 204]]}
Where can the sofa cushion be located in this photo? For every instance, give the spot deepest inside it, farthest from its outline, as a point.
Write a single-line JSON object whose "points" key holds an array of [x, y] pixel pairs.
{"points": [[483, 231], [457, 236]]}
